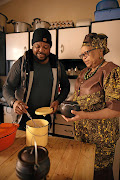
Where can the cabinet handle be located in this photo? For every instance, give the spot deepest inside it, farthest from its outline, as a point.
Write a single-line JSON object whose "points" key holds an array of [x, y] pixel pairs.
{"points": [[69, 131], [62, 48]]}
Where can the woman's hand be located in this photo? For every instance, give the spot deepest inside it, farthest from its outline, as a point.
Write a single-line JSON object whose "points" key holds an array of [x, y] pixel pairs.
{"points": [[54, 105], [101, 114], [78, 115], [20, 107]]}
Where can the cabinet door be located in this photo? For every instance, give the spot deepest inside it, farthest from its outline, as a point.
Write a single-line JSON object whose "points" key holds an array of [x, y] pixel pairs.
{"points": [[61, 121], [112, 30], [70, 41], [62, 127], [64, 130], [53, 35], [16, 44]]}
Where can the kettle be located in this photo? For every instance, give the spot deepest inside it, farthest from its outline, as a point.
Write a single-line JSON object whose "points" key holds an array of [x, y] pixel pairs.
{"points": [[33, 163]]}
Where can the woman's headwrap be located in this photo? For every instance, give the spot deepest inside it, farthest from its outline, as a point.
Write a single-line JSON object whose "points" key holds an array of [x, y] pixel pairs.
{"points": [[98, 41]]}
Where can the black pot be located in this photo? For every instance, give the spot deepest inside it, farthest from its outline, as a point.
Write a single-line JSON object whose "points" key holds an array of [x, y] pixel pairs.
{"points": [[67, 106], [27, 168]]}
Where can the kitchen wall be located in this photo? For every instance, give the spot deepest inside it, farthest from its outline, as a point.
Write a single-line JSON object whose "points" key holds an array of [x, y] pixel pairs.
{"points": [[48, 10]]}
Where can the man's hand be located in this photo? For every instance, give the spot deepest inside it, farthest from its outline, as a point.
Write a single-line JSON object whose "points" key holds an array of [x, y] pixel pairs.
{"points": [[54, 105], [20, 107]]}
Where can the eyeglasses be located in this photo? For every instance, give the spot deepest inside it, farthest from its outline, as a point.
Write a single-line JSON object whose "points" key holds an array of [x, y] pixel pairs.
{"points": [[86, 53]]}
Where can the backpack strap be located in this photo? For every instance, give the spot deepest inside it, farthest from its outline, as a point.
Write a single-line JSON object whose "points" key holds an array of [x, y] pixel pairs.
{"points": [[54, 71], [31, 75]]}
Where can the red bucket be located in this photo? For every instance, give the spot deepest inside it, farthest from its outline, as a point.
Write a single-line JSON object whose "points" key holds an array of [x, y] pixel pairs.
{"points": [[7, 134]]}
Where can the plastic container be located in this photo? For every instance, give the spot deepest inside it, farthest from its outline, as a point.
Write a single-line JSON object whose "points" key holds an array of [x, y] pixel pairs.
{"points": [[40, 132], [107, 14], [107, 5], [83, 22], [7, 134]]}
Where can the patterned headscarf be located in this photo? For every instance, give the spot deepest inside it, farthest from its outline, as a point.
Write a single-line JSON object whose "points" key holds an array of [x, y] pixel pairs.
{"points": [[97, 41]]}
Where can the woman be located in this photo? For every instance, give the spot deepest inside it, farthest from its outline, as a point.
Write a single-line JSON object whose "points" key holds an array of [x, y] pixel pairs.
{"points": [[97, 90]]}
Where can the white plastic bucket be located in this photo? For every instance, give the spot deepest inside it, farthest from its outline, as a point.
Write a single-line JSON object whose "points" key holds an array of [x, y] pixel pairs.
{"points": [[40, 133]]}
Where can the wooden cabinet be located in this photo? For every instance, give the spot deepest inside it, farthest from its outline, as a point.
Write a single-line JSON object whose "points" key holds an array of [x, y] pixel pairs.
{"points": [[112, 30], [53, 35], [70, 41], [16, 44], [62, 127]]}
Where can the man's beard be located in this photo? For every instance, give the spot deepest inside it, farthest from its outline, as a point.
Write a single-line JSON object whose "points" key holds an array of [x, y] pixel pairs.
{"points": [[39, 60]]}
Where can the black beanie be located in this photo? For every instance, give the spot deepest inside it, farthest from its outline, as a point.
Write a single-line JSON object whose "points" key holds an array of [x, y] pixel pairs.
{"points": [[42, 34]]}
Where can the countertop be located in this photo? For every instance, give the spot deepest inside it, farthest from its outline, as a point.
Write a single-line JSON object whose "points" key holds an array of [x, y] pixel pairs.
{"points": [[69, 159]]}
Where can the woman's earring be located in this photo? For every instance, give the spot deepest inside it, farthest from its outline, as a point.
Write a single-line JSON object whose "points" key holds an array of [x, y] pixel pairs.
{"points": [[100, 57]]}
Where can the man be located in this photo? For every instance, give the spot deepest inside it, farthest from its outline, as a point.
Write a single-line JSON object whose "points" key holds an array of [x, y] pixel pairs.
{"points": [[33, 80]]}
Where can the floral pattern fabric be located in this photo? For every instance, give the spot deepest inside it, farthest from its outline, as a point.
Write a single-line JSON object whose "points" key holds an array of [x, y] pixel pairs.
{"points": [[98, 92]]}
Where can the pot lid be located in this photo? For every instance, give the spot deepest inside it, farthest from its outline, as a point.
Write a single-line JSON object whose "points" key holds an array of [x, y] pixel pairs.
{"points": [[44, 111], [7, 128], [46, 22], [27, 154], [18, 22], [36, 19]]}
